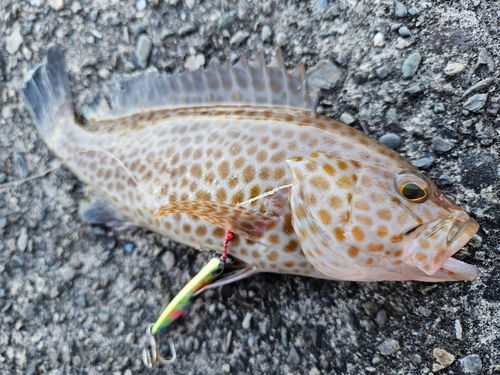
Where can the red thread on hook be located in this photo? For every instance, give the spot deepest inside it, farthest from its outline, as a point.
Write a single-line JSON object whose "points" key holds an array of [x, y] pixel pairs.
{"points": [[229, 236]]}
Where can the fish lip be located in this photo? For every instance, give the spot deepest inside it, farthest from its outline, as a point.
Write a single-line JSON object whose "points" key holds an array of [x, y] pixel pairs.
{"points": [[462, 231]]}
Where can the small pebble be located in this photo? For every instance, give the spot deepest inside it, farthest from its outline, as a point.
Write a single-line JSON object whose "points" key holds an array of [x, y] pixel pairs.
{"points": [[265, 33], [104, 73], [388, 347], [77, 361], [20, 165], [187, 29], [404, 31], [140, 5], [414, 89], [378, 40], [383, 72], [454, 69], [314, 371], [481, 85], [128, 248], [142, 50], [94, 14], [238, 38], [281, 40], [190, 4], [400, 10], [68, 273], [424, 311], [480, 255], [103, 316], [3, 222], [247, 320], [22, 239], [31, 369], [391, 140], [29, 312], [347, 118], [284, 337], [441, 145], [370, 369], [376, 360], [227, 19], [424, 162], [417, 358], [324, 75], [444, 358], [381, 317], [226, 368], [475, 102], [166, 32], [392, 116], [444, 180], [14, 41], [410, 65], [439, 108], [195, 62], [168, 260], [471, 364], [402, 43], [360, 77], [76, 7], [293, 356], [267, 8], [3, 178], [130, 339], [458, 329]]}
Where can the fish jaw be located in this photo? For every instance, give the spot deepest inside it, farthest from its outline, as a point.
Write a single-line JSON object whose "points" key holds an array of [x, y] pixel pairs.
{"points": [[436, 242]]}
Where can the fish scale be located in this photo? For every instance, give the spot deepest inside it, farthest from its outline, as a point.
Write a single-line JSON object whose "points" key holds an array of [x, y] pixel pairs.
{"points": [[240, 147]]}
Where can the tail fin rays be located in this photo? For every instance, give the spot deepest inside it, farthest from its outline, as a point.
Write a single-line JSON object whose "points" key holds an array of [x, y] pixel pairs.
{"points": [[47, 95]]}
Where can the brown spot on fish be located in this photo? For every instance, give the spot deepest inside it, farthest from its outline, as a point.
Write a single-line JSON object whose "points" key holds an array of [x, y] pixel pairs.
{"points": [[344, 182], [223, 169], [384, 214], [335, 202], [320, 183], [339, 234], [353, 252], [291, 246], [248, 174], [375, 247], [201, 230], [382, 231], [272, 256], [324, 216], [358, 234]]}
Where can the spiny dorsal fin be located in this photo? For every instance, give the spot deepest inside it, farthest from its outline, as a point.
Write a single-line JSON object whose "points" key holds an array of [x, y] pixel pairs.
{"points": [[246, 83]]}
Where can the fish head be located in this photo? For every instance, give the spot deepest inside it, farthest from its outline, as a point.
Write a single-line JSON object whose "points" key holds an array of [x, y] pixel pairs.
{"points": [[364, 222]]}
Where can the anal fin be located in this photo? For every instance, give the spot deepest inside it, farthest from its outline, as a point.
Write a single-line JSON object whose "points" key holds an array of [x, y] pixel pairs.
{"points": [[100, 213], [242, 221]]}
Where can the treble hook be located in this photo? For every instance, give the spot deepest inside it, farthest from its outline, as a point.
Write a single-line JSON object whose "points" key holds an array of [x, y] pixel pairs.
{"points": [[150, 361]]}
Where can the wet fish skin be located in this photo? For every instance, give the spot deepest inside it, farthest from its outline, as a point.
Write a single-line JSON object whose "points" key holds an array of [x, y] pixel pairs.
{"points": [[240, 147]]}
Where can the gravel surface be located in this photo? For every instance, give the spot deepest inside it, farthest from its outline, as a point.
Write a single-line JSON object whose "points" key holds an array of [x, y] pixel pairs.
{"points": [[76, 299]]}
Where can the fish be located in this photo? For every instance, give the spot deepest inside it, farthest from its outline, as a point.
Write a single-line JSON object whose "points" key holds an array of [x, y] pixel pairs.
{"points": [[241, 148]]}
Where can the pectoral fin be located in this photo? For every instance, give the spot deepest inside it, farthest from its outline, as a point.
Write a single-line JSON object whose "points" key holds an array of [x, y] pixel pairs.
{"points": [[242, 221]]}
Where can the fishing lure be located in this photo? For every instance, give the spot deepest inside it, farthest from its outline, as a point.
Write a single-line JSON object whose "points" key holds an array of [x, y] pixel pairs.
{"points": [[181, 302]]}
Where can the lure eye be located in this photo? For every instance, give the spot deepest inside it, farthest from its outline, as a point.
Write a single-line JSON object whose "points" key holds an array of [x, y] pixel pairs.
{"points": [[413, 192]]}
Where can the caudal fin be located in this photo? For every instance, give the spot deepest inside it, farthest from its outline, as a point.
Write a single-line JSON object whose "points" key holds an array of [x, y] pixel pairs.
{"points": [[47, 94]]}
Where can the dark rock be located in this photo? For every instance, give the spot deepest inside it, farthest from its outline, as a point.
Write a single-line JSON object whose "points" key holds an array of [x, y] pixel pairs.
{"points": [[441, 145], [423, 163], [391, 140]]}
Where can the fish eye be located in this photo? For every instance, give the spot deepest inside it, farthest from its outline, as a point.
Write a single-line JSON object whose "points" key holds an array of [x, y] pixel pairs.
{"points": [[412, 186], [413, 192]]}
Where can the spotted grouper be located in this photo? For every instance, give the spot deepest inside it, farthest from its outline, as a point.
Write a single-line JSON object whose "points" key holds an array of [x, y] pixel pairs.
{"points": [[241, 148]]}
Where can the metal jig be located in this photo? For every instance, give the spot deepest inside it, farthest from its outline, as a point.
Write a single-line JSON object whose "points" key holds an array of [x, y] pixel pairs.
{"points": [[181, 302]]}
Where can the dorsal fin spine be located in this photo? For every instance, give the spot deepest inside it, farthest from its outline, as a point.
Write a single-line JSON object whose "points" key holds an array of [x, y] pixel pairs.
{"points": [[245, 83]]}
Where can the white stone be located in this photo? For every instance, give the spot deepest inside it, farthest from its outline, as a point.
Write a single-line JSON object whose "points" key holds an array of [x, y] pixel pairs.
{"points": [[37, 3], [76, 7], [378, 40], [190, 4], [14, 40], [26, 53], [194, 62], [402, 43], [57, 4], [454, 69]]}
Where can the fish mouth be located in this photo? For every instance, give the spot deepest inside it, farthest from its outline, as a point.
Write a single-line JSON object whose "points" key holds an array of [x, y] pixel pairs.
{"points": [[435, 244], [459, 235]]}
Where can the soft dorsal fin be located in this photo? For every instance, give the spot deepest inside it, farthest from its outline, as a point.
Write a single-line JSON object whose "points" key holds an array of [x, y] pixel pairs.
{"points": [[245, 83]]}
